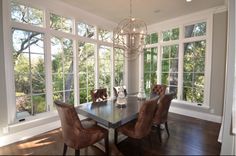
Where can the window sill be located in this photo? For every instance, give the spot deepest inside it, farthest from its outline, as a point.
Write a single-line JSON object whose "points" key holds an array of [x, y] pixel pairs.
{"points": [[188, 104]]}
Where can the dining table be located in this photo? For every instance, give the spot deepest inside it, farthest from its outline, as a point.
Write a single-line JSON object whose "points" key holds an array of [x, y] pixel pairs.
{"points": [[111, 115]]}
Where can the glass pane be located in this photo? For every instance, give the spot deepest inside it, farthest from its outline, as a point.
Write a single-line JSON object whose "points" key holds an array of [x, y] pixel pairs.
{"points": [[20, 40], [39, 103], [58, 96], [165, 65], [23, 106], [164, 78], [154, 38], [172, 34], [36, 43], [166, 52], [61, 23], [21, 63], [86, 30], [198, 29], [24, 14], [57, 82], [69, 97], [173, 79], [104, 35], [199, 80], [83, 95], [22, 84], [35, 17], [38, 83], [69, 81], [18, 12], [175, 34], [83, 80], [173, 65]]}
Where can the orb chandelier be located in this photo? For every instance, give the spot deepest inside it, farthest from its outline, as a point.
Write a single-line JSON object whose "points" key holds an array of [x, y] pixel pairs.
{"points": [[130, 34]]}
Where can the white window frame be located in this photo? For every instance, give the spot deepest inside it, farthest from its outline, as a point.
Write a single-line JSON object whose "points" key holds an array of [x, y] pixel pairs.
{"points": [[181, 22]]}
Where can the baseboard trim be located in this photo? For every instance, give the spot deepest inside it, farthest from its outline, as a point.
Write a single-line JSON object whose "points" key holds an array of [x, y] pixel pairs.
{"points": [[196, 114]]}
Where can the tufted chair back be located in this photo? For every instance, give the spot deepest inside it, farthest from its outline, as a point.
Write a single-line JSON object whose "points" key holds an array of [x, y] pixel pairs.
{"points": [[142, 126], [161, 114], [73, 132], [99, 94], [158, 89]]}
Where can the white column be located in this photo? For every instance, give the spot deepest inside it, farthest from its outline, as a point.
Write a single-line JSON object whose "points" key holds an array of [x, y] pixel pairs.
{"points": [[141, 93]]}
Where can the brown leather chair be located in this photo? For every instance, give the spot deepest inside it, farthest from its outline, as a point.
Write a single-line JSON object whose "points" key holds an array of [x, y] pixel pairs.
{"points": [[142, 126], [158, 90], [99, 94], [75, 134], [161, 114]]}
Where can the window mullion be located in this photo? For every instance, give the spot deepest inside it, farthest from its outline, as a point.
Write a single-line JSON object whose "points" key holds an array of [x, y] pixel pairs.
{"points": [[180, 63]]}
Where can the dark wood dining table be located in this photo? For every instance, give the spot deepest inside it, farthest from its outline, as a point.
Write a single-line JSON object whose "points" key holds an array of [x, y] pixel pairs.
{"points": [[109, 113]]}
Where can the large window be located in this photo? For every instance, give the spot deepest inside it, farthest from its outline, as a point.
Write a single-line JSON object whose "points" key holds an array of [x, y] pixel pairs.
{"points": [[29, 72], [86, 70], [182, 60]]}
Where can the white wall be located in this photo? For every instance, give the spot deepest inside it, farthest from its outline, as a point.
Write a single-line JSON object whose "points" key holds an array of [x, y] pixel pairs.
{"points": [[228, 138], [3, 101]]}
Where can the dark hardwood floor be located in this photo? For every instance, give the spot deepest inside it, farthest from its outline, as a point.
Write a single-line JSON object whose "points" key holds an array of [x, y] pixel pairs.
{"points": [[188, 136]]}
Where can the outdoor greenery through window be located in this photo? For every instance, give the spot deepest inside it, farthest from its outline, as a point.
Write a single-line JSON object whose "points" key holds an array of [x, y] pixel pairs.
{"points": [[150, 69], [60, 23], [104, 67], [86, 68], [119, 66], [86, 30], [170, 60], [104, 35], [25, 14], [29, 72], [192, 60], [62, 69]]}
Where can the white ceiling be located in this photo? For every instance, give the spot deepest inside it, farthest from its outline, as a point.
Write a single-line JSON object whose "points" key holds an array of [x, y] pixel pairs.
{"points": [[151, 11]]}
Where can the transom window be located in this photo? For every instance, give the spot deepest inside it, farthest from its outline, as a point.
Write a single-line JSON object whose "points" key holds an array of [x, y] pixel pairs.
{"points": [[60, 23]]}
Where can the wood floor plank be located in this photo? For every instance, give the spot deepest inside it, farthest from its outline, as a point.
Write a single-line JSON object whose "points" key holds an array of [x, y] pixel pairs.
{"points": [[188, 136]]}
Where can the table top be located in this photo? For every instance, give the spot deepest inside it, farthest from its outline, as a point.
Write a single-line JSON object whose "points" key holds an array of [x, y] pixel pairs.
{"points": [[109, 114]]}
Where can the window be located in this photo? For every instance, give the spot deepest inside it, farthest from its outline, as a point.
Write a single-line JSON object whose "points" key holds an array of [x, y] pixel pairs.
{"points": [[172, 34], [105, 67], [150, 69], [198, 29], [169, 70], [62, 69], [29, 71], [61, 23], [119, 66], [104, 35], [25, 14], [86, 30], [152, 38], [86, 70]]}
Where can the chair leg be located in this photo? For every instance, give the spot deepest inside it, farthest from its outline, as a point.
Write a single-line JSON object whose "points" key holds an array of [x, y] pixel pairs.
{"points": [[166, 125], [77, 152], [159, 131], [64, 149], [115, 137], [107, 145]]}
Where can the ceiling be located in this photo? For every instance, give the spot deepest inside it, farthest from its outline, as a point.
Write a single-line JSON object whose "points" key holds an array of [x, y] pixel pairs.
{"points": [[151, 11]]}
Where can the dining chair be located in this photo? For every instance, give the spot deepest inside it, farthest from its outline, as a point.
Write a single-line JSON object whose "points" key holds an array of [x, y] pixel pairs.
{"points": [[75, 133], [161, 115], [158, 90], [99, 94], [142, 126]]}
